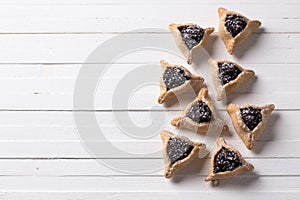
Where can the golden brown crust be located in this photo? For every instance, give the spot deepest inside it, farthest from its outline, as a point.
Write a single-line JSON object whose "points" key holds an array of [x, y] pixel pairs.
{"points": [[230, 87], [193, 83], [185, 122], [247, 136], [171, 169], [227, 38], [180, 43], [223, 175]]}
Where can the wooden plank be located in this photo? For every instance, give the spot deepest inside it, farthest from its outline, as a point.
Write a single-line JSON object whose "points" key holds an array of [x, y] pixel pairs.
{"points": [[42, 101], [148, 184], [51, 87], [128, 149], [117, 70], [60, 126], [214, 195], [127, 167], [135, 2], [75, 48], [42, 148], [111, 17], [148, 195]]}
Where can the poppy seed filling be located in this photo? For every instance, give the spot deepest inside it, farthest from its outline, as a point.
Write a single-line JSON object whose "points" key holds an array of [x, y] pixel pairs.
{"points": [[226, 160], [251, 116], [174, 77], [227, 72], [199, 112], [178, 149], [191, 35], [235, 24]]}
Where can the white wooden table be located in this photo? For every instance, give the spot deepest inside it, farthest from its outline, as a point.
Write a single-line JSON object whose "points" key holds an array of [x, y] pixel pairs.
{"points": [[43, 46]]}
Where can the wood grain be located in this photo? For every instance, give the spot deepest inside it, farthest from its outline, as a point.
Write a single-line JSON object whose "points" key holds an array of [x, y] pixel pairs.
{"points": [[91, 167], [75, 48], [156, 184], [43, 47], [95, 17]]}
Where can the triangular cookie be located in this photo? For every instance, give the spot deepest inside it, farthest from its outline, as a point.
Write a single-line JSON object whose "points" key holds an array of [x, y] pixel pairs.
{"points": [[226, 162], [227, 76], [175, 80], [189, 37], [235, 28], [249, 121], [200, 115], [178, 151]]}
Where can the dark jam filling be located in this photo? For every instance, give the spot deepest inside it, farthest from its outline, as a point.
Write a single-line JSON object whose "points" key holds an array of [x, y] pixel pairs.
{"points": [[199, 112], [174, 77], [251, 116], [235, 24], [191, 35], [226, 160], [178, 149], [228, 72]]}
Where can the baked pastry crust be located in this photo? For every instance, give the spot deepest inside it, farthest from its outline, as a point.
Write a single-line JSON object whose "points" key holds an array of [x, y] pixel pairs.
{"points": [[180, 43], [247, 136], [194, 83], [229, 41], [231, 86], [227, 174], [183, 121], [171, 169]]}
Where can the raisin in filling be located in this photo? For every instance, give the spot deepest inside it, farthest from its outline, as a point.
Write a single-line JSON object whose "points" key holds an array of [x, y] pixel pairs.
{"points": [[235, 24], [226, 160], [174, 77], [178, 149], [191, 35], [228, 72], [199, 112], [251, 116]]}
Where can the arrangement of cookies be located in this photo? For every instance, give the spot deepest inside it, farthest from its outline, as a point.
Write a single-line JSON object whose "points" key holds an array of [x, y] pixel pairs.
{"points": [[249, 121]]}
